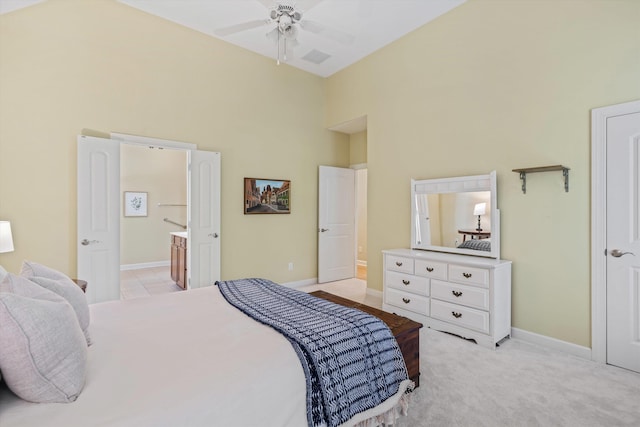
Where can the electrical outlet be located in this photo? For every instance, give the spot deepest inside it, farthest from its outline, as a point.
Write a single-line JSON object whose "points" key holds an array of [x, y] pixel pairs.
{"points": [[290, 266]]}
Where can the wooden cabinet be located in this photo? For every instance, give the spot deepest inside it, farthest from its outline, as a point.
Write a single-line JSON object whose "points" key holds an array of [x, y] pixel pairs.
{"points": [[179, 260], [463, 295]]}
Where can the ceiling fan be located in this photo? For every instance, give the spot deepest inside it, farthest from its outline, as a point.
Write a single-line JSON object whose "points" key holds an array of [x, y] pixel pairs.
{"points": [[286, 19]]}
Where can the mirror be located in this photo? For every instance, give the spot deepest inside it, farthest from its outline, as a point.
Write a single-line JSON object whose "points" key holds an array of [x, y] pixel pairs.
{"points": [[457, 215]]}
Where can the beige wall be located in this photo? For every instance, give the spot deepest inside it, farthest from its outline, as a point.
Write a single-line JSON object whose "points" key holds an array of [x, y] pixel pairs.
{"points": [[499, 85], [358, 148], [66, 65], [162, 174]]}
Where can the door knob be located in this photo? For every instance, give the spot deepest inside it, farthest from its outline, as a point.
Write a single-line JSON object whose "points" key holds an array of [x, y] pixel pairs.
{"points": [[618, 253], [86, 242], [214, 235], [322, 230]]}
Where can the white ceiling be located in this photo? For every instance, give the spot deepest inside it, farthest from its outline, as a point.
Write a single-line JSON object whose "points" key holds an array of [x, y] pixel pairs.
{"points": [[364, 26]]}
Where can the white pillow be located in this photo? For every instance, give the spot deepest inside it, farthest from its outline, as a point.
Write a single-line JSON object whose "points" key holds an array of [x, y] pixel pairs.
{"points": [[43, 352], [33, 269], [62, 285]]}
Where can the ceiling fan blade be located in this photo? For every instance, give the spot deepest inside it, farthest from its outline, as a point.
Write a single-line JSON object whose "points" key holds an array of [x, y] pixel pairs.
{"points": [[323, 30], [226, 31]]}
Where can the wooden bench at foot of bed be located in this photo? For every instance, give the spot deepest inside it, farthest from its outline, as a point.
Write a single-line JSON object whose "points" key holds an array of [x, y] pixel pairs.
{"points": [[406, 331]]}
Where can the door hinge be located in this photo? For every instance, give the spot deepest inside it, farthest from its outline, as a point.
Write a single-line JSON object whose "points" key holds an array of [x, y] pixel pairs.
{"points": [[605, 251]]}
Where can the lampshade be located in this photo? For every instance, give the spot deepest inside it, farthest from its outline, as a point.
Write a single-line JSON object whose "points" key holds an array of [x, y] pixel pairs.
{"points": [[480, 209], [6, 240]]}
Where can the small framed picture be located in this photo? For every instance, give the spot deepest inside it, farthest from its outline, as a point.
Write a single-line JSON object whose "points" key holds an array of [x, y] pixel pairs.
{"points": [[267, 196], [135, 203]]}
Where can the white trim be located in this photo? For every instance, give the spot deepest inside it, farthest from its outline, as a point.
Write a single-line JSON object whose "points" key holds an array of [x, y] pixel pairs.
{"points": [[599, 117], [358, 166], [125, 267], [300, 283], [152, 142], [552, 343]]}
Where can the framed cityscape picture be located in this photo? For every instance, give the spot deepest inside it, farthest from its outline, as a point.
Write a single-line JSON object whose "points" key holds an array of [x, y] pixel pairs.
{"points": [[267, 196], [135, 203]]}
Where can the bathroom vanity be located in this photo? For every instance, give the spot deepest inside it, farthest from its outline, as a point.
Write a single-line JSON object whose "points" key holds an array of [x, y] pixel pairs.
{"points": [[179, 258]]}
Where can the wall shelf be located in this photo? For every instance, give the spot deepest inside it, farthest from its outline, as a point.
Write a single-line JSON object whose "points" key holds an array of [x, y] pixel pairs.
{"points": [[524, 171]]}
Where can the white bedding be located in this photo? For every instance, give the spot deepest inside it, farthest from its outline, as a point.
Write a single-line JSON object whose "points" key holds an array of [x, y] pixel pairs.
{"points": [[181, 359]]}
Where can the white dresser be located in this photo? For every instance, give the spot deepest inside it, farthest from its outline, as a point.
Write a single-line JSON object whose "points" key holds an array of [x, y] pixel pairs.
{"points": [[465, 295]]}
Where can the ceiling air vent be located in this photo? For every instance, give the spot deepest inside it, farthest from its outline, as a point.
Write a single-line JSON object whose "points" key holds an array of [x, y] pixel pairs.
{"points": [[316, 56]]}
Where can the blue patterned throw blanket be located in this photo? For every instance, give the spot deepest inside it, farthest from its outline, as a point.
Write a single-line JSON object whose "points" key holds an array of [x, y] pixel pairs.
{"points": [[350, 358]]}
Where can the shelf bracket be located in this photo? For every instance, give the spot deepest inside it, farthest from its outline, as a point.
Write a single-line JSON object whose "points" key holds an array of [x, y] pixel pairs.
{"points": [[523, 175], [523, 178]]}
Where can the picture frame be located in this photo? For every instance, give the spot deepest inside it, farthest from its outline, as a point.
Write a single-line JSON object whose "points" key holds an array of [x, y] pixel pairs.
{"points": [[267, 196], [135, 203]]}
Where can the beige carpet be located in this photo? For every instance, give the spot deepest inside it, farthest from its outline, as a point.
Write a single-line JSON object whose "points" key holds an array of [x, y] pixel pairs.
{"points": [[520, 384]]}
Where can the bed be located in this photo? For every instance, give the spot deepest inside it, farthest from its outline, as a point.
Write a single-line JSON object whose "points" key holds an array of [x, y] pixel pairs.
{"points": [[181, 359]]}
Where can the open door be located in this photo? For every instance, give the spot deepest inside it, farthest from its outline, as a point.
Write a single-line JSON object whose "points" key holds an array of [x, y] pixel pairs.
{"points": [[99, 214], [336, 224], [203, 243], [99, 217]]}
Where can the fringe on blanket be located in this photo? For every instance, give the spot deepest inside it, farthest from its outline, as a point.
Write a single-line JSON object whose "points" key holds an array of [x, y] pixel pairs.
{"points": [[393, 408]]}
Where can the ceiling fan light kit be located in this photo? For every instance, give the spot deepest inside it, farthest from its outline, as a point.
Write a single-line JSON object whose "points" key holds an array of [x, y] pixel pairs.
{"points": [[287, 20]]}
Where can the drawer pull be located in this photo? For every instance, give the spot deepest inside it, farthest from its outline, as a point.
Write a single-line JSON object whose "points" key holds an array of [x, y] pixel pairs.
{"points": [[398, 263], [456, 293], [406, 300], [467, 275], [429, 269], [406, 282], [456, 315]]}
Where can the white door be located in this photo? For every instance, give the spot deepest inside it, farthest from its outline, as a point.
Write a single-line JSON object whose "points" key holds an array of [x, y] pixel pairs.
{"points": [[336, 224], [623, 241], [203, 243], [99, 217]]}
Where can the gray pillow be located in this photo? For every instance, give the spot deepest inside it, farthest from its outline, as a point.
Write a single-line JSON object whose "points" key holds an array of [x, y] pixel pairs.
{"points": [[74, 296], [31, 269], [43, 352], [62, 285]]}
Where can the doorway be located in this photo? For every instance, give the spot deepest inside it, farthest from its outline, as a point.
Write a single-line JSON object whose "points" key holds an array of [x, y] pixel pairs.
{"points": [[99, 210], [145, 241], [615, 234], [361, 223]]}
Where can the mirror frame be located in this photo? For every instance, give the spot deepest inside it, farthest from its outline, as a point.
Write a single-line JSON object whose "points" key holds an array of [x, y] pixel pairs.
{"points": [[457, 185]]}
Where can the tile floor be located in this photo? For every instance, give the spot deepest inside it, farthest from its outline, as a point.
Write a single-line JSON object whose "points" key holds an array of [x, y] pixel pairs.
{"points": [[157, 280], [145, 282]]}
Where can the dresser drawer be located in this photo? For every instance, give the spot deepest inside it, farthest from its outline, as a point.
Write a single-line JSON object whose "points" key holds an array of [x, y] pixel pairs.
{"points": [[469, 275], [435, 270], [411, 302], [407, 282], [398, 263], [462, 316], [460, 294]]}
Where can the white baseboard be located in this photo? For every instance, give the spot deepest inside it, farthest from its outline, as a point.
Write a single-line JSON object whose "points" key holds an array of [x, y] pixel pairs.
{"points": [[552, 343], [299, 283], [124, 267]]}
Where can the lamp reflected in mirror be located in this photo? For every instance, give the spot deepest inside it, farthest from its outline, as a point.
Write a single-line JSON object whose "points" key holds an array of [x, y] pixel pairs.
{"points": [[6, 239], [479, 210]]}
